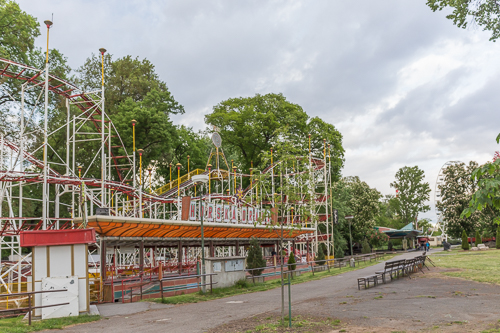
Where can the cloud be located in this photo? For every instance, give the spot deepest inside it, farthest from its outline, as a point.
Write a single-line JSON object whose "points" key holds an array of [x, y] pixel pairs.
{"points": [[402, 83]]}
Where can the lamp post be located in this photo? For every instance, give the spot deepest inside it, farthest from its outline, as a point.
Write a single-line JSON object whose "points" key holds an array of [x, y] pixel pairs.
{"points": [[350, 217], [178, 165], [140, 151], [202, 179], [209, 172]]}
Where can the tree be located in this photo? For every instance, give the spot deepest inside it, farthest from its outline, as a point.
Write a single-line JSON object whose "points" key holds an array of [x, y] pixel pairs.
{"points": [[365, 247], [18, 31], [363, 203], [377, 238], [465, 242], [484, 13], [425, 225], [388, 213], [291, 262], [413, 193], [477, 239], [497, 238], [456, 193], [255, 258], [487, 196], [250, 125], [320, 257]]}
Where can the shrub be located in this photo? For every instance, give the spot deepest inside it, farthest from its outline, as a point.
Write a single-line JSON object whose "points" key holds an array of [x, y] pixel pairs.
{"points": [[498, 237], [366, 247], [320, 258], [255, 258], [477, 240], [241, 284], [465, 243], [291, 262]]}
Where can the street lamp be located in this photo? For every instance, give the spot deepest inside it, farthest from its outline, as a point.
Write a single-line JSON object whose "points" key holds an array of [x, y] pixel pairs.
{"points": [[201, 179], [350, 217]]}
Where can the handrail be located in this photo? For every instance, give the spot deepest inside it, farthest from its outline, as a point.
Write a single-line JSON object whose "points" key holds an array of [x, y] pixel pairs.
{"points": [[173, 183], [30, 308]]}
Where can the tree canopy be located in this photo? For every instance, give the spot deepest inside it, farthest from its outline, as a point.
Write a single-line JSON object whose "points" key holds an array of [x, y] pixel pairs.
{"points": [[249, 125], [484, 13], [413, 193]]}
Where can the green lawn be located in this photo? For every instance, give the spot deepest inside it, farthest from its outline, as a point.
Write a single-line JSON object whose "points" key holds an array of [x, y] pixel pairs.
{"points": [[480, 266], [17, 325], [249, 287]]}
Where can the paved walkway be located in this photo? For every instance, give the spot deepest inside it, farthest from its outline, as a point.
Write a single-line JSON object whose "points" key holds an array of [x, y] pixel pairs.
{"points": [[204, 315]]}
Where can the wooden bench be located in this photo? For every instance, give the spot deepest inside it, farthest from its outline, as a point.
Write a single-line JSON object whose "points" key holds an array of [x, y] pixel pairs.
{"points": [[365, 281], [393, 268]]}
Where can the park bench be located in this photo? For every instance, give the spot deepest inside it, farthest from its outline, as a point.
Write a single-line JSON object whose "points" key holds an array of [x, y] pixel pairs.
{"points": [[365, 281], [393, 268]]}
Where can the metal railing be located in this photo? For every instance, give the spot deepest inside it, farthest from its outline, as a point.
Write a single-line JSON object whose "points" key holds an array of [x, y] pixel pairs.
{"points": [[319, 263], [187, 285], [174, 183], [30, 308]]}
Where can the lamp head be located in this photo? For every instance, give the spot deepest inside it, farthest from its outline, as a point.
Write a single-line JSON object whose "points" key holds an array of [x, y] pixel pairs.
{"points": [[178, 165], [48, 23], [102, 50], [209, 167], [134, 122], [140, 151]]}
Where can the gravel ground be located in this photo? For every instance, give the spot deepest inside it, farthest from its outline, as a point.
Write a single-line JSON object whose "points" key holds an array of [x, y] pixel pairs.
{"points": [[428, 301]]}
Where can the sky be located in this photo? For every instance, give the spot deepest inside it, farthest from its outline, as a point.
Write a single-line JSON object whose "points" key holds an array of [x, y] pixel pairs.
{"points": [[402, 84]]}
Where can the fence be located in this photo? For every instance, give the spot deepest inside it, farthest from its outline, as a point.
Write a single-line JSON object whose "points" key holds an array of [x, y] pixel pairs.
{"points": [[30, 308]]}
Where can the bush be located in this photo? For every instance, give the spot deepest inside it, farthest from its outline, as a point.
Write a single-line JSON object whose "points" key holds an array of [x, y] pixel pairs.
{"points": [[465, 243], [477, 239], [366, 247], [498, 237], [320, 258], [291, 262], [255, 258], [241, 284]]}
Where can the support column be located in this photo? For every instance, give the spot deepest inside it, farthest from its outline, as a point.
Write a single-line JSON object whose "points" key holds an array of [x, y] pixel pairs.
{"points": [[179, 257], [237, 248], [212, 250], [307, 250], [141, 258], [103, 260]]}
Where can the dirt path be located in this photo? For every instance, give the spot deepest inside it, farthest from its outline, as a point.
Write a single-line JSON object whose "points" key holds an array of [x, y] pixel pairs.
{"points": [[425, 302]]}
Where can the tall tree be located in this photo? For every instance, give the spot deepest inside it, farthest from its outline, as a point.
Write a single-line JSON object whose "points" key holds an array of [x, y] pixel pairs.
{"points": [[487, 196], [363, 204], [133, 90], [484, 13], [249, 125], [18, 31], [456, 193], [388, 213], [413, 193]]}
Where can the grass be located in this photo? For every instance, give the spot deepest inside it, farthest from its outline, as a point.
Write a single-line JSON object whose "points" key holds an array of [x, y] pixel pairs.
{"points": [[480, 266], [245, 287], [303, 323], [17, 325]]}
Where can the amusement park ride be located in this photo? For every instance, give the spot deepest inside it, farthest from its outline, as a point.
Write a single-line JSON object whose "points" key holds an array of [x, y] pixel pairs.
{"points": [[137, 229]]}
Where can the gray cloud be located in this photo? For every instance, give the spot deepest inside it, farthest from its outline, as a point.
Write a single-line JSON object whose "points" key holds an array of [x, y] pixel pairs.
{"points": [[368, 67]]}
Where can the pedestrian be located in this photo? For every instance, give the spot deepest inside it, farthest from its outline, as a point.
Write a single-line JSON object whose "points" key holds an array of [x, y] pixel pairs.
{"points": [[428, 246]]}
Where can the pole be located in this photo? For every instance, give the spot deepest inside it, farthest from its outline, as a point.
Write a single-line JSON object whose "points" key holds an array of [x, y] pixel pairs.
{"points": [[133, 160], [103, 142], [203, 277], [350, 236], [45, 133]]}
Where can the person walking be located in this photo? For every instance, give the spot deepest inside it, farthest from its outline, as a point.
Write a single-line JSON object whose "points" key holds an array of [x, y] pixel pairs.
{"points": [[428, 246]]}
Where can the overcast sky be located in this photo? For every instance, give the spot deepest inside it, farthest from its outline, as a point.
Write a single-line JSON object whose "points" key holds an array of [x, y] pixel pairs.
{"points": [[402, 84]]}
